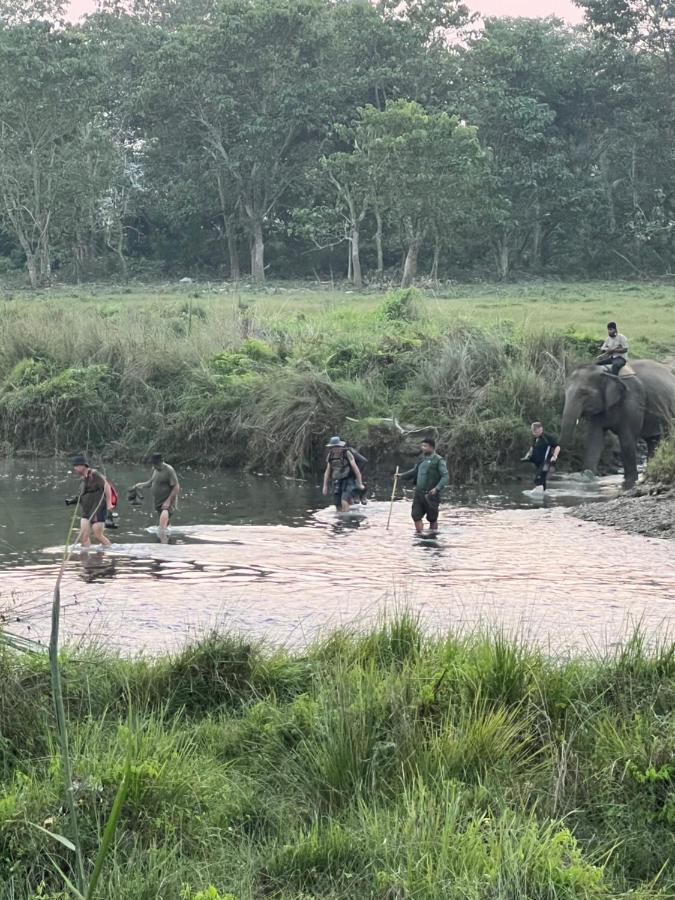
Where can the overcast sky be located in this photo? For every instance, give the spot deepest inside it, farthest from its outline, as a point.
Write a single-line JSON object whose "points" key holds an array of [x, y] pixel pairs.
{"points": [[563, 8]]}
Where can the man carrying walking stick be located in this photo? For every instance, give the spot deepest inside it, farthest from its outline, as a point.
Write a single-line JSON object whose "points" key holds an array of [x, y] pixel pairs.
{"points": [[430, 476]]}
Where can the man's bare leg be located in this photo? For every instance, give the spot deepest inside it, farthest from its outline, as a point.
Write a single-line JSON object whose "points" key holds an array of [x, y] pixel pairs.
{"points": [[85, 533], [164, 520], [419, 526], [100, 535]]}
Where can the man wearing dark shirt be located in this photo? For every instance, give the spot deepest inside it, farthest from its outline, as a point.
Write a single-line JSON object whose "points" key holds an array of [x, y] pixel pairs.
{"points": [[94, 499], [543, 453]]}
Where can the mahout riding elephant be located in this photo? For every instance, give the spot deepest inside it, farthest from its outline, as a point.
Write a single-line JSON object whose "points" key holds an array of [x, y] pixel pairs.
{"points": [[633, 406]]}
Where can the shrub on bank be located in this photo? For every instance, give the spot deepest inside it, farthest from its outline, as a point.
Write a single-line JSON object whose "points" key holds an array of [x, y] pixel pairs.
{"points": [[661, 468], [378, 765]]}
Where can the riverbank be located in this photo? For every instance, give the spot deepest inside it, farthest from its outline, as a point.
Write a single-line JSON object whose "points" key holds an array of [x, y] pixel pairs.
{"points": [[646, 510], [220, 375], [382, 765]]}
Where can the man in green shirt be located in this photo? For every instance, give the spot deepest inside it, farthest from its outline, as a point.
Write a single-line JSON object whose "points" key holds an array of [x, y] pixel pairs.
{"points": [[429, 476], [164, 486], [94, 499]]}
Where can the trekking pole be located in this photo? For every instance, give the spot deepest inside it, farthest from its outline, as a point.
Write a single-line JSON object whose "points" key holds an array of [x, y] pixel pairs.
{"points": [[393, 494]]}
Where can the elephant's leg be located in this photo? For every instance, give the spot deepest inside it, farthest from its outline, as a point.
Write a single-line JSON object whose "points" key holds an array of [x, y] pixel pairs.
{"points": [[629, 455], [595, 441]]}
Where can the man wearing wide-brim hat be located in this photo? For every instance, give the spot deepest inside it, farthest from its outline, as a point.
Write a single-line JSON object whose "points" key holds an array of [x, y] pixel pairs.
{"points": [[343, 472]]}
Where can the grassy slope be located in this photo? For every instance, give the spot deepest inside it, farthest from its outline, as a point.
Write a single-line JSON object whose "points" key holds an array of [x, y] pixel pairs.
{"points": [[385, 766], [125, 370]]}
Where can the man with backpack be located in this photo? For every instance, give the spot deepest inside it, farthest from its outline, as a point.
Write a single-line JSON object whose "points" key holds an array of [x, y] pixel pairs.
{"points": [[344, 474], [94, 499]]}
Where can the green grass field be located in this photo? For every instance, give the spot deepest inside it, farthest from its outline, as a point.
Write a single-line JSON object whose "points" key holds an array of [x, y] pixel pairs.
{"points": [[383, 766], [644, 312]]}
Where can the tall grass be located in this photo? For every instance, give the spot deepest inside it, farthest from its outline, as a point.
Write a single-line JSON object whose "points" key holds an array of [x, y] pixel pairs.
{"points": [[379, 765], [661, 468], [230, 384]]}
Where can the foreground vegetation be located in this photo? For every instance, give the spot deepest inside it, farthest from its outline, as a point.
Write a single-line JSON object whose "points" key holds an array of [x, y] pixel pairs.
{"points": [[233, 377], [383, 765]]}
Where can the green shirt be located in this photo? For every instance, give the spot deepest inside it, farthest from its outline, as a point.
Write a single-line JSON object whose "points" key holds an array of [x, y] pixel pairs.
{"points": [[429, 473], [162, 481]]}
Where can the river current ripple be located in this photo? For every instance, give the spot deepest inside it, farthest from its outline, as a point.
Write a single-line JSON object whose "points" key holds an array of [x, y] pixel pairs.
{"points": [[537, 572]]}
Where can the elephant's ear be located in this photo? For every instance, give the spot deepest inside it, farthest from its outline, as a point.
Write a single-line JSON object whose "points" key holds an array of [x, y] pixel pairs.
{"points": [[615, 391]]}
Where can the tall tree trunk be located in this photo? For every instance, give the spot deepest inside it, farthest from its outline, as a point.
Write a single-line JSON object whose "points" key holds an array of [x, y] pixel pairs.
{"points": [[357, 277], [536, 236], [502, 256], [44, 263], [31, 265], [437, 256], [609, 191], [378, 242], [349, 261], [232, 248], [258, 252], [410, 264]]}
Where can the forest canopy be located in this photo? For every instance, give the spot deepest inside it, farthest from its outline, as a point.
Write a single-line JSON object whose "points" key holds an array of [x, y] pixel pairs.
{"points": [[335, 138]]}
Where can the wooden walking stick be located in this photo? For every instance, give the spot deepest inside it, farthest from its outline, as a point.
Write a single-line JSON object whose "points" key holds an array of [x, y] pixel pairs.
{"points": [[393, 494]]}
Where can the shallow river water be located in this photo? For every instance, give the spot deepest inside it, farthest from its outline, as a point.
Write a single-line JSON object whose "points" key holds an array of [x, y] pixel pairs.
{"points": [[264, 556]]}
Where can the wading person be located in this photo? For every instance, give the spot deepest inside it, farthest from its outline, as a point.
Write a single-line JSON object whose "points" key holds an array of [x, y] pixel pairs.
{"points": [[93, 499], [614, 351], [164, 486], [343, 474], [430, 476], [543, 454]]}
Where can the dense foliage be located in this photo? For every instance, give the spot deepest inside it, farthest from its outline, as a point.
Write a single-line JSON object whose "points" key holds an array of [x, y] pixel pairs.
{"points": [[382, 766], [348, 138], [264, 379]]}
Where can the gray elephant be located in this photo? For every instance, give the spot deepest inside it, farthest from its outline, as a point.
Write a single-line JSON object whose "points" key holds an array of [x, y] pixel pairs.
{"points": [[632, 406]]}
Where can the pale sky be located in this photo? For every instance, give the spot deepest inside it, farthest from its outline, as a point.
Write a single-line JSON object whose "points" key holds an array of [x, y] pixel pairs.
{"points": [[565, 9]]}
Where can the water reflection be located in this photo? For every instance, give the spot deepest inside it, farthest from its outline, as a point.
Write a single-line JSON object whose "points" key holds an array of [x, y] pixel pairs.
{"points": [[290, 569]]}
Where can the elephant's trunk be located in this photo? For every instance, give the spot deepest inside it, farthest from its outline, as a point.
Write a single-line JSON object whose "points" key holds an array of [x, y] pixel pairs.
{"points": [[571, 415]]}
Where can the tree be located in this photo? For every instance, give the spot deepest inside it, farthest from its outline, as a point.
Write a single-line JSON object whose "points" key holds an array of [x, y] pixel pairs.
{"points": [[258, 115], [20, 12], [427, 160], [356, 176], [517, 77], [49, 81], [636, 39]]}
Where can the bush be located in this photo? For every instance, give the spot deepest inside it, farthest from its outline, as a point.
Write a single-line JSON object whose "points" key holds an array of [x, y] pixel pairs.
{"points": [[400, 306], [661, 468]]}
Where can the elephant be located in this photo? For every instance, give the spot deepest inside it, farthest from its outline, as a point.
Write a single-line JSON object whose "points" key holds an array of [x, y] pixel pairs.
{"points": [[633, 406]]}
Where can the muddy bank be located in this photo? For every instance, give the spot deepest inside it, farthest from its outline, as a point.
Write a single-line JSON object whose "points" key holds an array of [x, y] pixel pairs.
{"points": [[646, 510]]}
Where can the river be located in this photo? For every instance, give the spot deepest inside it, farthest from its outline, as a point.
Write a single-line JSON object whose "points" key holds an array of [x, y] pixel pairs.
{"points": [[265, 557]]}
